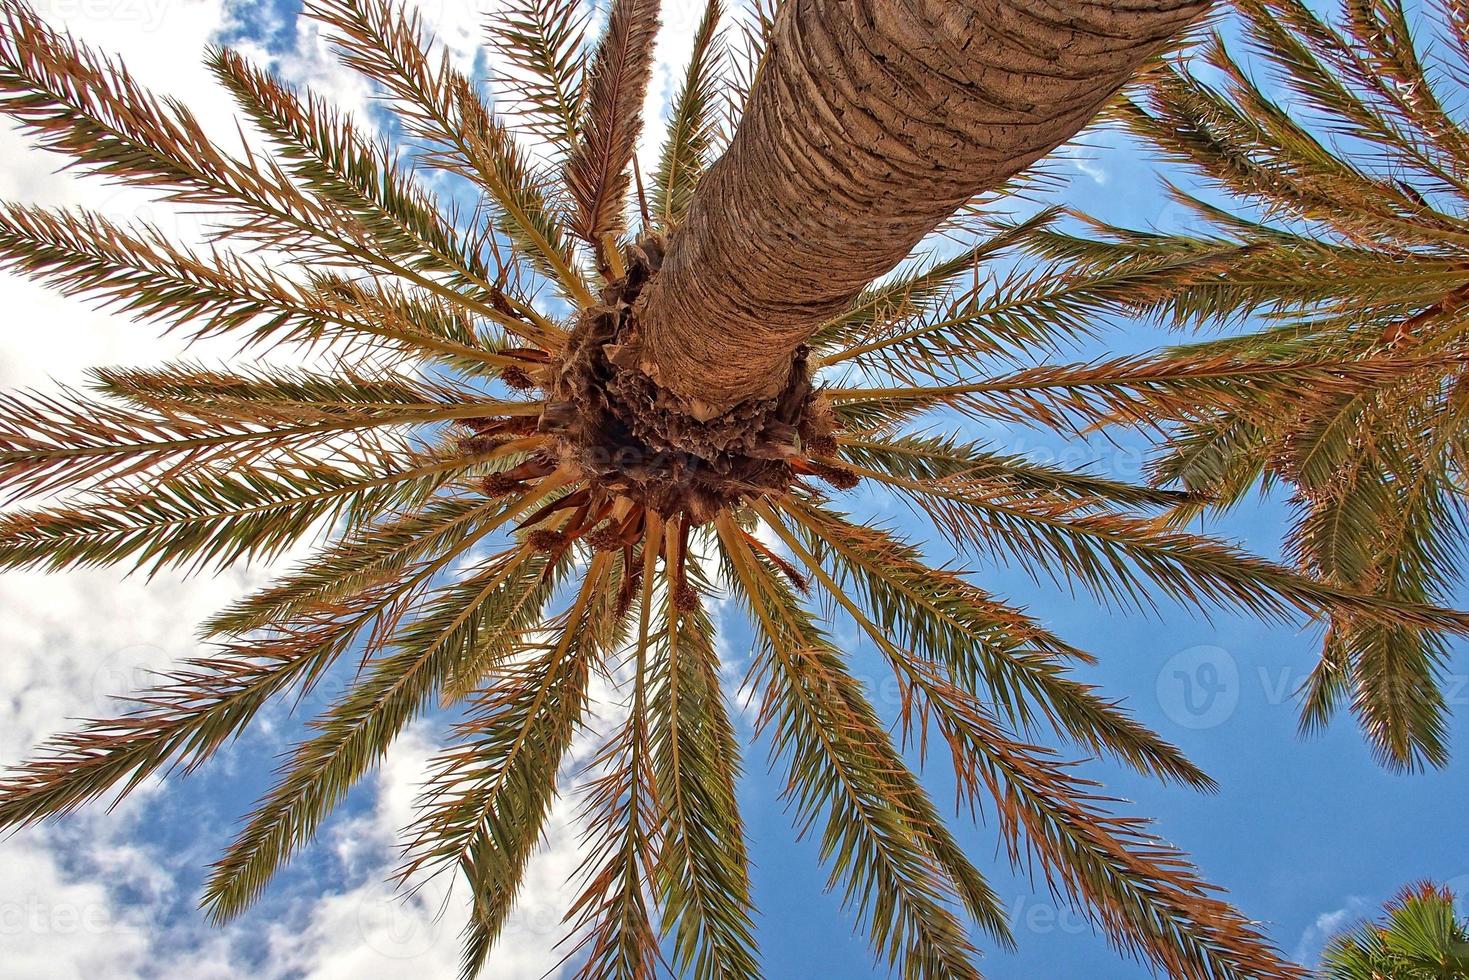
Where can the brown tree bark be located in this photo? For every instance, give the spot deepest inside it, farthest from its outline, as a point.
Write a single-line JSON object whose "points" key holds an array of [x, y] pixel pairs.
{"points": [[871, 122]]}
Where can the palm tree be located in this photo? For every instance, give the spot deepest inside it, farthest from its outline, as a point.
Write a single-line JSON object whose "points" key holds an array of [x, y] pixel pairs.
{"points": [[1420, 937], [1348, 229], [515, 510]]}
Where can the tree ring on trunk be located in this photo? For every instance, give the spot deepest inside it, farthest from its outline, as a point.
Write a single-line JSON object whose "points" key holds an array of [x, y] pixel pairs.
{"points": [[632, 436]]}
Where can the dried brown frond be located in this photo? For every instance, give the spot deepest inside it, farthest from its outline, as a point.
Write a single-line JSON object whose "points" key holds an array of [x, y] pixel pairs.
{"points": [[597, 177]]}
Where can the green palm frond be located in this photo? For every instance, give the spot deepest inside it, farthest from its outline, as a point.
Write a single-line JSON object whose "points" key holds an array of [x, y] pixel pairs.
{"points": [[326, 154], [622, 811], [937, 617], [754, 27], [481, 617], [138, 271], [441, 109], [702, 869], [492, 790], [1123, 558], [911, 291], [361, 558], [212, 520], [880, 831], [938, 459], [1146, 391], [1420, 936], [543, 42], [693, 124], [1343, 232], [1407, 546], [188, 719], [49, 441], [1105, 861], [1141, 891], [79, 103]]}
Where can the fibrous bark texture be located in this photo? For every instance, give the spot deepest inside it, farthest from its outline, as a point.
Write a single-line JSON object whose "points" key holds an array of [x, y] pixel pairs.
{"points": [[616, 426], [871, 122]]}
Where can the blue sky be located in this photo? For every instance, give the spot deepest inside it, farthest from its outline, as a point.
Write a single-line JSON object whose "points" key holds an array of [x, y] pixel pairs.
{"points": [[1305, 835]]}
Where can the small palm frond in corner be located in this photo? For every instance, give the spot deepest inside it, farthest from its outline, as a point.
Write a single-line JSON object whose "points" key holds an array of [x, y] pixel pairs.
{"points": [[1420, 936]]}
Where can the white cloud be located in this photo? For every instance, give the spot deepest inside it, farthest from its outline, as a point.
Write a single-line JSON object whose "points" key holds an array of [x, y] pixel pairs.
{"points": [[1328, 924], [62, 915], [309, 63], [54, 926]]}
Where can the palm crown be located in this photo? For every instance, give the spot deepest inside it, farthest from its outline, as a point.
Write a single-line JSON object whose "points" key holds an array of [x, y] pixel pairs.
{"points": [[503, 531], [1350, 238], [1419, 937]]}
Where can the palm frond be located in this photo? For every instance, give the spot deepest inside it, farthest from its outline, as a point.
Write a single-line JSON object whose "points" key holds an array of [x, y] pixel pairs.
{"points": [[755, 27], [1141, 891], [1420, 934], [440, 107], [326, 153], [202, 707], [623, 811], [899, 867], [1127, 905], [939, 459], [138, 271], [1406, 547], [912, 291], [1145, 391], [67, 440], [483, 616], [597, 176], [929, 615], [701, 874], [211, 520], [364, 557], [1343, 228], [491, 792], [1106, 553], [693, 123], [86, 106], [544, 43]]}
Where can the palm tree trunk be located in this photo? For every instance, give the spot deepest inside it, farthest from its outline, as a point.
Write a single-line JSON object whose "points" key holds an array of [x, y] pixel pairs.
{"points": [[871, 122]]}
